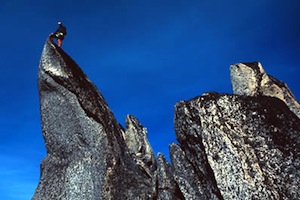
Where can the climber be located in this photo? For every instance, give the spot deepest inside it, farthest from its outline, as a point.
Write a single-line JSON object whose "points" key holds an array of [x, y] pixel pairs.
{"points": [[60, 34]]}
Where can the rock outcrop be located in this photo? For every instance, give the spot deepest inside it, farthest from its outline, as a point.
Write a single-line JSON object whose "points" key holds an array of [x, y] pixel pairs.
{"points": [[87, 157], [250, 146], [250, 79], [240, 146]]}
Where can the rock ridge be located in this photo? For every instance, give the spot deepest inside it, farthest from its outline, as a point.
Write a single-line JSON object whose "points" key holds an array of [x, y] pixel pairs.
{"points": [[244, 145]]}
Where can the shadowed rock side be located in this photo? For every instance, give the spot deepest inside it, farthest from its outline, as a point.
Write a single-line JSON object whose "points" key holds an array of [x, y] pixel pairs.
{"points": [[87, 157], [250, 79], [167, 187], [159, 171], [251, 144], [242, 146], [193, 183]]}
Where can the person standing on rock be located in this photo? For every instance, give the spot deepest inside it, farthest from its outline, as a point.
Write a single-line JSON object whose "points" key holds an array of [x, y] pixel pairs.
{"points": [[60, 33]]}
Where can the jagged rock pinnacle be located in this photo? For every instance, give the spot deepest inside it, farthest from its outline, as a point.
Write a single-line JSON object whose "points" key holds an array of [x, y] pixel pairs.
{"points": [[167, 186], [241, 146], [87, 157], [138, 145], [250, 79]]}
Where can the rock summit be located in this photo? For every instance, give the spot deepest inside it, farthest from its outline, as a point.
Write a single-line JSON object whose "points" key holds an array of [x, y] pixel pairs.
{"points": [[244, 145]]}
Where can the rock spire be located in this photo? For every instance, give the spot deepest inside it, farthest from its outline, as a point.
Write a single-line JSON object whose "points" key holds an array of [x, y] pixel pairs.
{"points": [[244, 145]]}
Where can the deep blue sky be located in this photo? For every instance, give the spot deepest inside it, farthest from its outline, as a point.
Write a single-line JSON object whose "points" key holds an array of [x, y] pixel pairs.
{"points": [[144, 56]]}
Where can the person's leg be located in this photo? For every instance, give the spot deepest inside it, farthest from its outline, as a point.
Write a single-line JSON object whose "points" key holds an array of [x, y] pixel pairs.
{"points": [[59, 42]]}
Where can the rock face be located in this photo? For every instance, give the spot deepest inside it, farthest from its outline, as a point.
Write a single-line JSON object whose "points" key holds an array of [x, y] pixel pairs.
{"points": [[87, 157], [249, 145], [241, 146], [250, 79]]}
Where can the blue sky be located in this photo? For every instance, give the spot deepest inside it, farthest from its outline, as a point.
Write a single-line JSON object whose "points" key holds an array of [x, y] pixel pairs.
{"points": [[144, 56]]}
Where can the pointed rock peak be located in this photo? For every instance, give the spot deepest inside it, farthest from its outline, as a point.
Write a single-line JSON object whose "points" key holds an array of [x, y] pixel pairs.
{"points": [[136, 136], [55, 62], [87, 156], [133, 123], [60, 67], [245, 78], [164, 175], [69, 102], [50, 61], [250, 79], [167, 186], [138, 144], [161, 158]]}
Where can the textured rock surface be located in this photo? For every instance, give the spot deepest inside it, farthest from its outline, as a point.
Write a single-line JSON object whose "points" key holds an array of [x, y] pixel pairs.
{"points": [[251, 147], [167, 187], [87, 157], [250, 79], [242, 146], [194, 184], [139, 147]]}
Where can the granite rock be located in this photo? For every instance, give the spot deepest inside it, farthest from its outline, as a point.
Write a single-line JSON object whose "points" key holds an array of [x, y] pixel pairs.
{"points": [[167, 188], [251, 143], [87, 157], [244, 145], [192, 184], [250, 79]]}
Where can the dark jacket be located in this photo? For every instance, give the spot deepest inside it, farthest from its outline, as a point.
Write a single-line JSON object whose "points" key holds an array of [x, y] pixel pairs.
{"points": [[61, 32]]}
